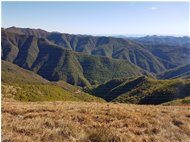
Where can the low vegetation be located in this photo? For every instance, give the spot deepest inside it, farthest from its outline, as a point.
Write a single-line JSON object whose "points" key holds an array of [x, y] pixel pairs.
{"points": [[184, 101], [24, 85], [93, 122], [142, 90], [44, 92]]}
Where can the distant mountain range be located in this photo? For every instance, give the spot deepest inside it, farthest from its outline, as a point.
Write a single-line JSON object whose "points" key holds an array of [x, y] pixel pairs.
{"points": [[30, 47], [168, 40], [92, 61]]}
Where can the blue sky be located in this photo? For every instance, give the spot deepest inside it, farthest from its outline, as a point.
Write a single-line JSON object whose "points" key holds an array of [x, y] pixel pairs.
{"points": [[147, 18]]}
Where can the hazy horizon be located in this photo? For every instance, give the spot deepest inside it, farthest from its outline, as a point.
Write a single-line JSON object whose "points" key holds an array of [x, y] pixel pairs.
{"points": [[108, 35]]}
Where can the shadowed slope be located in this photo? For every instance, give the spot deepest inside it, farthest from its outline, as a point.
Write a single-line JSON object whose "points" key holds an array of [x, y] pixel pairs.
{"points": [[142, 90], [54, 62], [179, 72], [100, 46]]}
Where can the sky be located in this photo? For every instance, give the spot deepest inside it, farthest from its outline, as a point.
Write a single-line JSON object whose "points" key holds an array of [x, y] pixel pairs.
{"points": [[100, 18]]}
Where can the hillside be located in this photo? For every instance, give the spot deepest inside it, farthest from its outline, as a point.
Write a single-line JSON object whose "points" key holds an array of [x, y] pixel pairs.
{"points": [[170, 51], [42, 72], [24, 85], [93, 122], [100, 46], [152, 53], [11, 73], [178, 102], [90, 61], [65, 56], [142, 90], [179, 72], [54, 62]]}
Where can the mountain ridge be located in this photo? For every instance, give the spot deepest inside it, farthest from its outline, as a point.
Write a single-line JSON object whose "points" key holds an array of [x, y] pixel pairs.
{"points": [[87, 60], [117, 48], [54, 63]]}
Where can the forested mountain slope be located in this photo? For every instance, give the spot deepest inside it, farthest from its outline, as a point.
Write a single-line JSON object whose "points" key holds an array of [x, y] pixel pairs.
{"points": [[54, 62], [24, 85], [142, 90]]}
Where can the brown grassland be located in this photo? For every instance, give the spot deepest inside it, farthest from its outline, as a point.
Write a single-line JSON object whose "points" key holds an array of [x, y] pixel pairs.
{"points": [[93, 122]]}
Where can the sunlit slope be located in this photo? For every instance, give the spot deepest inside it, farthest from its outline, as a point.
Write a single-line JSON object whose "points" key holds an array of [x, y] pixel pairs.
{"points": [[24, 85]]}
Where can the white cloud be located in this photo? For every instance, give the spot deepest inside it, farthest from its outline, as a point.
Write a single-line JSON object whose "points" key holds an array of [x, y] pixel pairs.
{"points": [[153, 8]]}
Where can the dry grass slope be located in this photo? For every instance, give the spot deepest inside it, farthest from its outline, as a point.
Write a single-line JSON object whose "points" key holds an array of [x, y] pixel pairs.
{"points": [[93, 122]]}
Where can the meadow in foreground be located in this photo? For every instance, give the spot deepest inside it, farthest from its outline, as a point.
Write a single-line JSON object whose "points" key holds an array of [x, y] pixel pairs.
{"points": [[93, 122]]}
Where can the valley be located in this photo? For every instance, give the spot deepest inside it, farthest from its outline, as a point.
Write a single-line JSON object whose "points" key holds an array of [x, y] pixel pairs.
{"points": [[146, 70], [94, 89], [95, 71]]}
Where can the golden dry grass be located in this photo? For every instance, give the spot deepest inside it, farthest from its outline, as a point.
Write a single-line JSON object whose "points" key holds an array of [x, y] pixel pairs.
{"points": [[93, 122]]}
